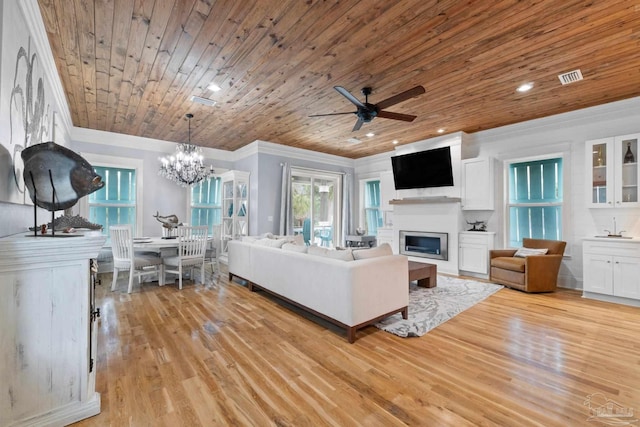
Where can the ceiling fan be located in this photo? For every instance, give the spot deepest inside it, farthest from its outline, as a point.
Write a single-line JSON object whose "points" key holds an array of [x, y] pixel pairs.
{"points": [[367, 112]]}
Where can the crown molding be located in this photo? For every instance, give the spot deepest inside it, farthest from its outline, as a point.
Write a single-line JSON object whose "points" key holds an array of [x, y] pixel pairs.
{"points": [[35, 25], [265, 147], [113, 139], [616, 109]]}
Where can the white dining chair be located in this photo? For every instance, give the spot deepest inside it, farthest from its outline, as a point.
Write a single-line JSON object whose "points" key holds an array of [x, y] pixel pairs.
{"points": [[192, 242], [124, 258], [212, 252]]}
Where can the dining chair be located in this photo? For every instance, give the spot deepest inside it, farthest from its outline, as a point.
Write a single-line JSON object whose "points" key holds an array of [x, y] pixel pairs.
{"points": [[213, 250], [192, 242], [124, 258]]}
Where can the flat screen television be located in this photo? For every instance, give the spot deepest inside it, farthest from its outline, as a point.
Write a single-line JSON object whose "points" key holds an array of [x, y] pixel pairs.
{"points": [[424, 169]]}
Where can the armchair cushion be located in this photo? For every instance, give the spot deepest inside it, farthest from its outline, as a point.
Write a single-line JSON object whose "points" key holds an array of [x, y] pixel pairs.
{"points": [[509, 263]]}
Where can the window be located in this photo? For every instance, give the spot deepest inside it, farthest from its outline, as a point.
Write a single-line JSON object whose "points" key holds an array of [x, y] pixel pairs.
{"points": [[535, 200], [372, 213], [206, 203], [115, 203], [316, 201]]}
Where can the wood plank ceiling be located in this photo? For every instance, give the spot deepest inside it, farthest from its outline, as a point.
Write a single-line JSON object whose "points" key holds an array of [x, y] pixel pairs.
{"points": [[130, 66]]}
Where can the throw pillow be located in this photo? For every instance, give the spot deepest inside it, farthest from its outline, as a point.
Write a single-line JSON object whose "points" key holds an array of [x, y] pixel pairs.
{"points": [[294, 248], [525, 252], [317, 250], [272, 243], [382, 250], [346, 255]]}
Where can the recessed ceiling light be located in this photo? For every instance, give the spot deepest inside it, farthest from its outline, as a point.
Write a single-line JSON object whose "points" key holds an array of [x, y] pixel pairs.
{"points": [[525, 87], [440, 130], [353, 141], [394, 142], [213, 87], [371, 134]]}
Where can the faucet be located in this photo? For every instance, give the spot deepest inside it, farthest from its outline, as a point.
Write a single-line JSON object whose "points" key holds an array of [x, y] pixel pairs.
{"points": [[615, 233]]}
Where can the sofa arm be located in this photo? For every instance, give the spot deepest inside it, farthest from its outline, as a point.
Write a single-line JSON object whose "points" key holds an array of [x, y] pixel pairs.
{"points": [[495, 253], [542, 272]]}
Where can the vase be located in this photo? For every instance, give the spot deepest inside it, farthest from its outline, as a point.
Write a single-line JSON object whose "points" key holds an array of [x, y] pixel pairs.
{"points": [[629, 157]]}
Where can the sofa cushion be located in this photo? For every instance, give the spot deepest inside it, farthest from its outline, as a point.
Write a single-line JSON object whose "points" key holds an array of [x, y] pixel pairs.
{"points": [[382, 250], [525, 252], [294, 248], [509, 263]]}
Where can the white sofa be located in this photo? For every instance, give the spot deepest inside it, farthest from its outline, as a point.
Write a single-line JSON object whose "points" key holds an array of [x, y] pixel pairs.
{"points": [[350, 294]]}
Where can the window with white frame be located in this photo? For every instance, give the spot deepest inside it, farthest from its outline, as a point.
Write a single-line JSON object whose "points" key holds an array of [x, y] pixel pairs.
{"points": [[535, 201], [117, 202], [371, 203], [206, 203]]}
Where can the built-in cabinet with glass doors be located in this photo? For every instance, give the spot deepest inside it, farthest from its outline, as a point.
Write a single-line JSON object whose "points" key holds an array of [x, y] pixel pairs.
{"points": [[235, 207], [612, 171]]}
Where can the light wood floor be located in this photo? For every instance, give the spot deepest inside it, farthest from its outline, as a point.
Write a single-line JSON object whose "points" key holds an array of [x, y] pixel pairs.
{"points": [[220, 355]]}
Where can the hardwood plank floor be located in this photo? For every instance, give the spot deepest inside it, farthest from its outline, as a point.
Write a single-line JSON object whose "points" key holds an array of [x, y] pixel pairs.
{"points": [[220, 355]]}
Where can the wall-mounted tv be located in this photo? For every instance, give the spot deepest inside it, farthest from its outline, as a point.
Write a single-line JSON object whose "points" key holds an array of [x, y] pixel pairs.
{"points": [[424, 169]]}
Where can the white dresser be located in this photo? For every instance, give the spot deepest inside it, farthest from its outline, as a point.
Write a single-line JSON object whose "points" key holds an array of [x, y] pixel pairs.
{"points": [[611, 270], [47, 338]]}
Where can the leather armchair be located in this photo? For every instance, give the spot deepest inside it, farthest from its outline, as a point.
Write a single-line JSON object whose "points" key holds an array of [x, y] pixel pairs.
{"points": [[534, 273]]}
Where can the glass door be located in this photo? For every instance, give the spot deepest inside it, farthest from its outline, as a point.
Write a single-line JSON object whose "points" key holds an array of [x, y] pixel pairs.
{"points": [[316, 206]]}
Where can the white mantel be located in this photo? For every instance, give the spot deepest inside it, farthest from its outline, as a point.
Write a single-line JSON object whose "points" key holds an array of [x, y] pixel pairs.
{"points": [[46, 335]]}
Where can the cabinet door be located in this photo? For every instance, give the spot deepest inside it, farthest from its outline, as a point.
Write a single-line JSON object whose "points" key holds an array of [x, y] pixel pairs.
{"points": [[477, 184], [598, 274], [599, 166], [473, 257], [626, 172], [626, 277]]}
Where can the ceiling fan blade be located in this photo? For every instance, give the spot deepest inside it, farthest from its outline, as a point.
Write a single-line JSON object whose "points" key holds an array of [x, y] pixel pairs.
{"points": [[348, 95], [358, 125], [396, 116], [332, 114], [403, 96]]}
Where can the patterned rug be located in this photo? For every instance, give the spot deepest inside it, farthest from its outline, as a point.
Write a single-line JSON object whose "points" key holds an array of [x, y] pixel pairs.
{"points": [[430, 307]]}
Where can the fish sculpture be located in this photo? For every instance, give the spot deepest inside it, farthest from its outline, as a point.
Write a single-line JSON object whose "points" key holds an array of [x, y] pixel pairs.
{"points": [[72, 176], [169, 221]]}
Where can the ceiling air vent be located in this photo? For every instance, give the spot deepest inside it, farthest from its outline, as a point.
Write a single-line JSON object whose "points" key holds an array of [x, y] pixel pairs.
{"points": [[570, 77], [203, 101]]}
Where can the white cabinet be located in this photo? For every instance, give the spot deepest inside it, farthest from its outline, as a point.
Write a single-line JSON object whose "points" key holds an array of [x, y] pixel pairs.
{"points": [[478, 184], [611, 270], [387, 190], [47, 314], [612, 171], [473, 252], [235, 207]]}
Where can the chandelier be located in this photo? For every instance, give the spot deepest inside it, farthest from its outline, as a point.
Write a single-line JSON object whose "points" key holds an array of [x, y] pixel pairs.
{"points": [[185, 168]]}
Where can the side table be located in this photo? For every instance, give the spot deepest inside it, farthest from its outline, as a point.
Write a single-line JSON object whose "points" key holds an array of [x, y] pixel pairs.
{"points": [[355, 241]]}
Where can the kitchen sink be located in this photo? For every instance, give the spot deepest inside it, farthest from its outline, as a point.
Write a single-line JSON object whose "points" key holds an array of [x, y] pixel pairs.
{"points": [[615, 236]]}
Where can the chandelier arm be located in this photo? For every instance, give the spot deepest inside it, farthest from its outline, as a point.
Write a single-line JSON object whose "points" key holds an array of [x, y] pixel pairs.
{"points": [[186, 168]]}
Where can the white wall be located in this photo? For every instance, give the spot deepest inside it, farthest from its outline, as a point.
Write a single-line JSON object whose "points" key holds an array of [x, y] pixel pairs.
{"points": [[566, 134]]}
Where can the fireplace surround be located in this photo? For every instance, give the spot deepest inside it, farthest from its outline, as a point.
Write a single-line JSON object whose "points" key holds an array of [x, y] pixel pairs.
{"points": [[424, 244]]}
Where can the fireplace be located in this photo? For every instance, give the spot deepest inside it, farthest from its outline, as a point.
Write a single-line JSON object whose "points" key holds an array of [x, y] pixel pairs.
{"points": [[424, 244]]}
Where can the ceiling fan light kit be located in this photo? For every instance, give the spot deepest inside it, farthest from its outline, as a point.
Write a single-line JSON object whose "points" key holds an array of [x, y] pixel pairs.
{"points": [[366, 112]]}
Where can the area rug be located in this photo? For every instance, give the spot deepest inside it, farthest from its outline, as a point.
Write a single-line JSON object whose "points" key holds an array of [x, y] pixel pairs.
{"points": [[430, 307]]}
